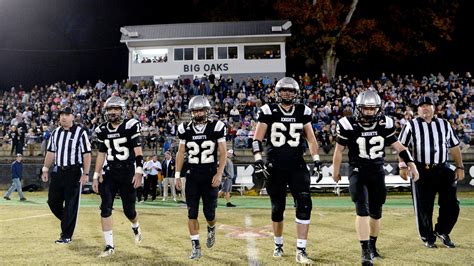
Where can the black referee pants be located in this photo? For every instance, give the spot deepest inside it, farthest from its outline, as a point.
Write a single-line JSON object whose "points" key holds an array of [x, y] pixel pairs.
{"points": [[63, 198], [439, 179]]}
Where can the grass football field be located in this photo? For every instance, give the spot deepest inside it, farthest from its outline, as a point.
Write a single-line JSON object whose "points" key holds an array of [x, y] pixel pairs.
{"points": [[244, 236]]}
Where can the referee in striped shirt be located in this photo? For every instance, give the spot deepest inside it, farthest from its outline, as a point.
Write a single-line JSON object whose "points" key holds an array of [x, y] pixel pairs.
{"points": [[429, 140], [70, 150]]}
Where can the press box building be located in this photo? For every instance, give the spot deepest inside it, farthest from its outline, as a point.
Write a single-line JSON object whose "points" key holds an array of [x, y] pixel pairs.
{"points": [[239, 49]]}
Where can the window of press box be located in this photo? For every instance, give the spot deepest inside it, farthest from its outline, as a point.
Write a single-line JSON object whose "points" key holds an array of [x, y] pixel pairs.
{"points": [[206, 53], [227, 53], [181, 54], [150, 56], [262, 52]]}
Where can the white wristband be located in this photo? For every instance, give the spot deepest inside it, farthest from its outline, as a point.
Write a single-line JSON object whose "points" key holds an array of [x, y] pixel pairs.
{"points": [[95, 176], [139, 170], [316, 157], [177, 174], [45, 169], [258, 156]]}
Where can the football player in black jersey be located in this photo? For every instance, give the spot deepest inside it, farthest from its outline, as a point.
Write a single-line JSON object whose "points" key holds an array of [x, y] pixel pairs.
{"points": [[119, 144], [285, 125], [201, 139], [366, 134]]}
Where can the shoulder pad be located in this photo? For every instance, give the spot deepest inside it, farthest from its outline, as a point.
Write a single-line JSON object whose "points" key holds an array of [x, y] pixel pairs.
{"points": [[345, 123], [388, 122], [266, 109], [307, 110], [219, 126], [131, 123], [181, 129]]}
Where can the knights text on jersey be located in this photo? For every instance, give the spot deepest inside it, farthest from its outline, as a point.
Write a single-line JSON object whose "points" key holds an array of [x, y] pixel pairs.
{"points": [[202, 141], [366, 145], [285, 134], [119, 142]]}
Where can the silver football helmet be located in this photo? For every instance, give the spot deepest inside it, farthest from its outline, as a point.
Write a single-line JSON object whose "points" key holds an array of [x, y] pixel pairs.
{"points": [[199, 102], [368, 99], [288, 84], [114, 102]]}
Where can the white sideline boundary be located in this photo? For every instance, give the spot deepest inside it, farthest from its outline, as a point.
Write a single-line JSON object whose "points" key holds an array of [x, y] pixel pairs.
{"points": [[252, 253], [27, 217]]}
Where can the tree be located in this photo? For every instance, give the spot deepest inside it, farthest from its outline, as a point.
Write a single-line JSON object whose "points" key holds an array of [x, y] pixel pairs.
{"points": [[323, 30]]}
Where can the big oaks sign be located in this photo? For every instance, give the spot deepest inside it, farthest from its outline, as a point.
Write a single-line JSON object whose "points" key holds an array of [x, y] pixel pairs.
{"points": [[218, 67]]}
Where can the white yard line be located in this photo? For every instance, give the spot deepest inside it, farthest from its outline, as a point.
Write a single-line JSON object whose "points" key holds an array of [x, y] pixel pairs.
{"points": [[24, 218], [252, 254]]}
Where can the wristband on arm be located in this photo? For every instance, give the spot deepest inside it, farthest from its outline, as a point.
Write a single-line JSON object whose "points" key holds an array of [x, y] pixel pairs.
{"points": [[406, 156], [257, 149]]}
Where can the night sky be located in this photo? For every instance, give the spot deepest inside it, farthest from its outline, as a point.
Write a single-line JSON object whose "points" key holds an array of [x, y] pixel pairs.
{"points": [[43, 41]]}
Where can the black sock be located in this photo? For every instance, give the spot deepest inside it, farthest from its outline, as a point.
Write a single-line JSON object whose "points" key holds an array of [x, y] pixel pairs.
{"points": [[195, 243], [373, 240], [364, 244]]}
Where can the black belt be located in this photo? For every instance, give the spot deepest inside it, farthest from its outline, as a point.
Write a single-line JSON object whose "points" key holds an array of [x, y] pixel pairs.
{"points": [[430, 166], [70, 167]]}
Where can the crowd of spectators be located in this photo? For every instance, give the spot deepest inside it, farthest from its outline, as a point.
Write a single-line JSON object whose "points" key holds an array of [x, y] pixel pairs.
{"points": [[28, 115]]}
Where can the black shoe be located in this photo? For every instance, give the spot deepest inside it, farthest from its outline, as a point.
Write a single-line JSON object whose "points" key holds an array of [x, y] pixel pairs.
{"points": [[63, 240], [196, 251], [375, 254], [366, 257], [7, 198], [109, 250], [446, 240], [430, 244], [22, 199], [230, 205]]}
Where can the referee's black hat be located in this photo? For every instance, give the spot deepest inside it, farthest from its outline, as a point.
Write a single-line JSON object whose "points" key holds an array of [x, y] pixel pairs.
{"points": [[66, 110], [425, 100]]}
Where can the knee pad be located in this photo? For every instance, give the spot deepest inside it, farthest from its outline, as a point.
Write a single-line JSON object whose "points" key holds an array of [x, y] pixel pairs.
{"points": [[210, 214], [304, 205], [105, 212], [375, 212], [193, 213], [278, 208], [129, 210], [361, 208]]}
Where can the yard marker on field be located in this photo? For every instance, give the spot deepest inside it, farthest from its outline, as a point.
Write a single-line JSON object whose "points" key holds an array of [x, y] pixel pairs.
{"points": [[27, 217], [252, 253]]}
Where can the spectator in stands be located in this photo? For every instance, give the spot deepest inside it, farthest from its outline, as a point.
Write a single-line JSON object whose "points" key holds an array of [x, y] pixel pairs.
{"points": [[241, 139]]}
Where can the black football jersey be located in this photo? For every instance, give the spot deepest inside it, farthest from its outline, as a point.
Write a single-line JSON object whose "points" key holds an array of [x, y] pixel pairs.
{"points": [[366, 144], [119, 143], [202, 141], [285, 134]]}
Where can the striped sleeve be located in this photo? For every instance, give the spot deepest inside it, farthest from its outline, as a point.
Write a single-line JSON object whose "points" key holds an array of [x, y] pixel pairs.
{"points": [[453, 139], [51, 142], [85, 144], [405, 136], [343, 130]]}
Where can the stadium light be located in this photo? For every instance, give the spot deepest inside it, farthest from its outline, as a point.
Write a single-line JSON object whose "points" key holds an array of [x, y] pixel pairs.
{"points": [[287, 25]]}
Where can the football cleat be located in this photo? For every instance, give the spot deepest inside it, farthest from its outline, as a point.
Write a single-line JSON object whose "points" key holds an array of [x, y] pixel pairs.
{"points": [[278, 251], [63, 240], [302, 256], [211, 236], [196, 252], [137, 233], [375, 254], [109, 250], [367, 257], [430, 244]]}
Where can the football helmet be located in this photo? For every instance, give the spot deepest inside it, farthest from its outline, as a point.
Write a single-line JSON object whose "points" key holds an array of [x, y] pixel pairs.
{"points": [[288, 84], [199, 102], [368, 99], [114, 102]]}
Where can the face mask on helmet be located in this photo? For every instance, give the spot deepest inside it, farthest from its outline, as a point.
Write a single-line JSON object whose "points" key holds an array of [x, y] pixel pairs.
{"points": [[368, 108], [200, 115], [287, 89], [198, 103], [114, 109]]}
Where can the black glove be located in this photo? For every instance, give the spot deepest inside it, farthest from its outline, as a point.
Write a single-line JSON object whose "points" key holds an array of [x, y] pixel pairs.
{"points": [[261, 171], [317, 171]]}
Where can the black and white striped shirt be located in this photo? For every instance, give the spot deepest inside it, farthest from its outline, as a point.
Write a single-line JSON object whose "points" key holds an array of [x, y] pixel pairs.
{"points": [[429, 142], [69, 145]]}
